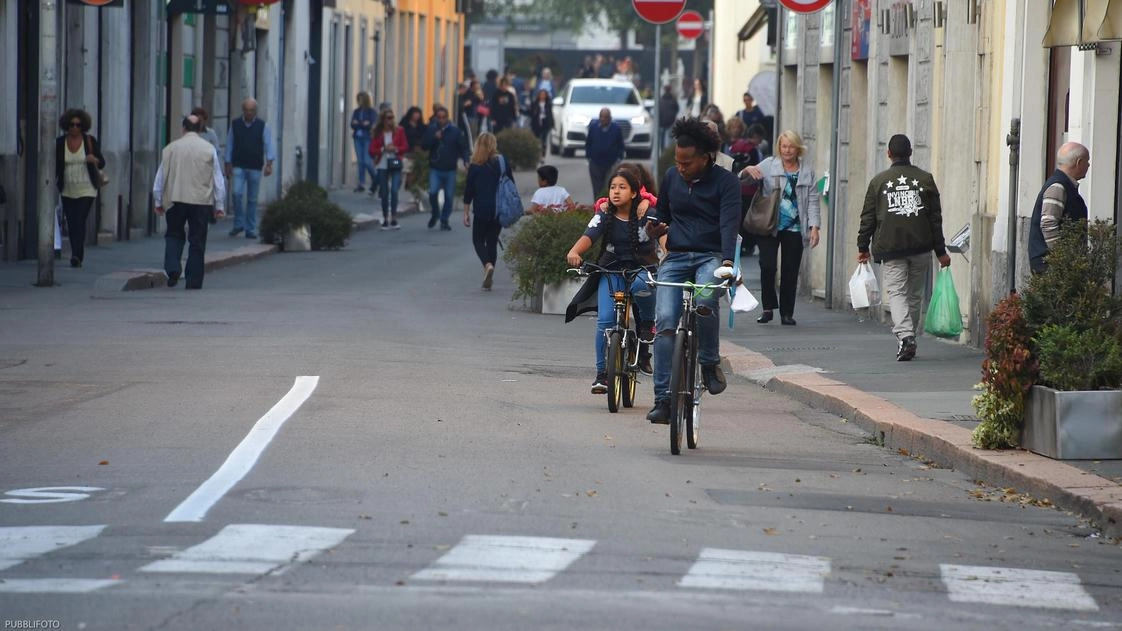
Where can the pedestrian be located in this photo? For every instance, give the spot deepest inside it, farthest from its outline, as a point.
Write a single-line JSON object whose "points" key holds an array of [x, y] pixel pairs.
{"points": [[1059, 201], [607, 67], [549, 198], [546, 82], [388, 146], [744, 154], [491, 84], [667, 114], [78, 162], [901, 224], [757, 135], [751, 114], [588, 68], [481, 189], [699, 209], [621, 227], [362, 122], [249, 154], [797, 226], [414, 127], [189, 181], [208, 134], [695, 107], [603, 148], [447, 146], [504, 107], [541, 119]]}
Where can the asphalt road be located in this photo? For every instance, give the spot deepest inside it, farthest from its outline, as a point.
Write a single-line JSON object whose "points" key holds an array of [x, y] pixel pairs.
{"points": [[449, 469]]}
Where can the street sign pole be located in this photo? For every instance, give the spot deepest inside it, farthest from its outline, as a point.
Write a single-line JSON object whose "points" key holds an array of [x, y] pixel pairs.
{"points": [[656, 126]]}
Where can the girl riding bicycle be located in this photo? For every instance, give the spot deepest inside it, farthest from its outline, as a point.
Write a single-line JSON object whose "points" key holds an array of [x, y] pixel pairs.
{"points": [[625, 245]]}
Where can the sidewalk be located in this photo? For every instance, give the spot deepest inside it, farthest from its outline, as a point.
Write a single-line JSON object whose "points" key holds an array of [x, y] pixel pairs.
{"points": [[835, 362]]}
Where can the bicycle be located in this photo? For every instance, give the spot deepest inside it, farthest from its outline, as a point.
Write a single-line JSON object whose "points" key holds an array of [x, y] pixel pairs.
{"points": [[622, 351], [686, 386]]}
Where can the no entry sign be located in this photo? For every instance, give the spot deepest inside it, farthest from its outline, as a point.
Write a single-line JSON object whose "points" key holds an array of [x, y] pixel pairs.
{"points": [[691, 25], [805, 6], [658, 11]]}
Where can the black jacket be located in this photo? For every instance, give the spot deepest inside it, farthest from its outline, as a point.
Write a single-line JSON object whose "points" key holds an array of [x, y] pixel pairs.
{"points": [[703, 216], [446, 151], [537, 124], [902, 215], [92, 146]]}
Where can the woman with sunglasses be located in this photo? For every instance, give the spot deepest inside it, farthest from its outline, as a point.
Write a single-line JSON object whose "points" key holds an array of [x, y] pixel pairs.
{"points": [[78, 160], [388, 145]]}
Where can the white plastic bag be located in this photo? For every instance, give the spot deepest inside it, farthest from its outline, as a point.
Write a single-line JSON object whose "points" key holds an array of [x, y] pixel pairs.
{"points": [[743, 300], [864, 291]]}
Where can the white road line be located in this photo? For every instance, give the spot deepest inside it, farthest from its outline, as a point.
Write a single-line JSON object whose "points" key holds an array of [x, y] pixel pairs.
{"points": [[20, 543], [505, 559], [53, 585], [245, 455], [1016, 587], [252, 549], [766, 571]]}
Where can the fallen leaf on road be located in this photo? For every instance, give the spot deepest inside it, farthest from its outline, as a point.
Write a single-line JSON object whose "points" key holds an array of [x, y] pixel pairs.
{"points": [[103, 462], [590, 493], [442, 514], [770, 531], [404, 522]]}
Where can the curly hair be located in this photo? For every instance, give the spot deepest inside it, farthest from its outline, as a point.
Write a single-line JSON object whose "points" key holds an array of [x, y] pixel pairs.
{"points": [[82, 115], [693, 132]]}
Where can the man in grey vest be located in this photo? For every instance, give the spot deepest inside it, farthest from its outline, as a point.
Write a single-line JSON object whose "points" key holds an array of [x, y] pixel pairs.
{"points": [[1059, 201], [249, 149], [190, 182]]}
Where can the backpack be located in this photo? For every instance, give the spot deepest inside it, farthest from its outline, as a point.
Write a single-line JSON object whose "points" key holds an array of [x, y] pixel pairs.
{"points": [[508, 203]]}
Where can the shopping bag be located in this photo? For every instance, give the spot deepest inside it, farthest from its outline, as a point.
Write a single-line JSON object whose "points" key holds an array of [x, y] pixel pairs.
{"points": [[863, 288], [943, 317], [743, 300]]}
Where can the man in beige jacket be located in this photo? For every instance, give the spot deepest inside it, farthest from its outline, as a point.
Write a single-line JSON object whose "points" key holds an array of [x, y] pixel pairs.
{"points": [[190, 181]]}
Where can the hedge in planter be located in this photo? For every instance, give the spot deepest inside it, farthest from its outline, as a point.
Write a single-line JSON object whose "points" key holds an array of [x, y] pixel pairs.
{"points": [[536, 252], [305, 203], [520, 147]]}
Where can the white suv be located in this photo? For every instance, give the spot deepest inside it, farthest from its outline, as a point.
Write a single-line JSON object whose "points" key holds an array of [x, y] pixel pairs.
{"points": [[580, 104]]}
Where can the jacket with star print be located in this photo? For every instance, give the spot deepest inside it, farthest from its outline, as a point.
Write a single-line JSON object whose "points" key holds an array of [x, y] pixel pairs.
{"points": [[902, 215]]}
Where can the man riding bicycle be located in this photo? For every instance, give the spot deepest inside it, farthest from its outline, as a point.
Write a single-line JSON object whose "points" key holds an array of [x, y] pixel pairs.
{"points": [[699, 208]]}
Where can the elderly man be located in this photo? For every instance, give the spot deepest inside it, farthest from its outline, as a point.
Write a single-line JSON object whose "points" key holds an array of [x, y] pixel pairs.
{"points": [[249, 149], [1059, 201], [190, 181], [603, 147]]}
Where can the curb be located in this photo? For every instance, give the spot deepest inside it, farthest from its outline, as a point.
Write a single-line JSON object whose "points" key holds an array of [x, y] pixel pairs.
{"points": [[133, 280], [1091, 496]]}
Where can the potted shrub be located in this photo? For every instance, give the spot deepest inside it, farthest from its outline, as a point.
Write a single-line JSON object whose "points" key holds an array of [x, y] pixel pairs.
{"points": [[304, 214], [1070, 325], [536, 255], [520, 147]]}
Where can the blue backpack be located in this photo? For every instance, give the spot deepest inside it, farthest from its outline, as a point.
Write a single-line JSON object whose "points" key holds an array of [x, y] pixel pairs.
{"points": [[508, 203]]}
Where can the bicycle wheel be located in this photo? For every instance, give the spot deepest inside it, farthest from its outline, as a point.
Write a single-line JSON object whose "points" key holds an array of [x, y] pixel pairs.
{"points": [[679, 394], [616, 374], [693, 414], [629, 372]]}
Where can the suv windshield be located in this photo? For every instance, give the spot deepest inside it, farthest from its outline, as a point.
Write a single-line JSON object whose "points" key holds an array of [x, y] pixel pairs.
{"points": [[603, 95]]}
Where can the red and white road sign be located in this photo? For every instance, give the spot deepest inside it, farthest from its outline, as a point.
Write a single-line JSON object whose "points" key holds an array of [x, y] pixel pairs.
{"points": [[658, 11], [691, 25], [805, 6]]}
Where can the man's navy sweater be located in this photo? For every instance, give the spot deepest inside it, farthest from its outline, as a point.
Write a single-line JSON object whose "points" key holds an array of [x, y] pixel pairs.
{"points": [[604, 145], [703, 216]]}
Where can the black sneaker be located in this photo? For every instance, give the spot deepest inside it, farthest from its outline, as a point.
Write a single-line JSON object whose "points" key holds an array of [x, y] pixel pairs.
{"points": [[714, 379], [907, 349], [173, 280], [235, 232], [432, 222], [360, 189], [660, 413], [445, 226], [600, 385], [393, 225], [645, 360]]}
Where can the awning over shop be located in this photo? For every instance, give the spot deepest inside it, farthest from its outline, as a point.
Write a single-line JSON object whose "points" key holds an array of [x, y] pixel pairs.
{"points": [[763, 16], [1079, 22]]}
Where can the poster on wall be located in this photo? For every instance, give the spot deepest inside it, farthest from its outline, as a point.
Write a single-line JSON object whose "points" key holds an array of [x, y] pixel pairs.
{"points": [[862, 16]]}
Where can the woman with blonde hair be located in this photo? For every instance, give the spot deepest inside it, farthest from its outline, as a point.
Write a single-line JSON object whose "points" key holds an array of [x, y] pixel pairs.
{"points": [[797, 226], [481, 188]]}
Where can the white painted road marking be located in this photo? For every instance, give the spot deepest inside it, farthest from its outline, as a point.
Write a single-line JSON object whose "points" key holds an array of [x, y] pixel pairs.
{"points": [[766, 571], [50, 494], [505, 559], [19, 543], [245, 455], [53, 585], [252, 549], [1016, 587]]}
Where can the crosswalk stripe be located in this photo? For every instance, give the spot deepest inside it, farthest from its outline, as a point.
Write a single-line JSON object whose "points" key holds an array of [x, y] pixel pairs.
{"points": [[506, 559], [1016, 587], [53, 585], [20, 543], [766, 571], [252, 549]]}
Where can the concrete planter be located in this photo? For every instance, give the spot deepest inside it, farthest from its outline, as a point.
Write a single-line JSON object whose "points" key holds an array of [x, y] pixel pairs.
{"points": [[1080, 425], [299, 239], [556, 297]]}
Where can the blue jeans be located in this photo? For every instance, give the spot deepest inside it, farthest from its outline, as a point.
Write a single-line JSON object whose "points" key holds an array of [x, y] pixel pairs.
{"points": [[445, 180], [606, 309], [365, 162], [246, 183], [679, 267], [389, 182]]}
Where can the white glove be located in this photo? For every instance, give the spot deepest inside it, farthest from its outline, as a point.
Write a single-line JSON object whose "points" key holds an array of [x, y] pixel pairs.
{"points": [[724, 272]]}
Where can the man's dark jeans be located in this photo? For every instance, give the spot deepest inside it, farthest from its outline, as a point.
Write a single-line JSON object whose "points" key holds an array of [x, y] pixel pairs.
{"points": [[598, 174], [187, 223]]}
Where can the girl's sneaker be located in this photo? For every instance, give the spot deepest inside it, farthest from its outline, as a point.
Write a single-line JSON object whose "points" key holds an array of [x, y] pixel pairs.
{"points": [[600, 386]]}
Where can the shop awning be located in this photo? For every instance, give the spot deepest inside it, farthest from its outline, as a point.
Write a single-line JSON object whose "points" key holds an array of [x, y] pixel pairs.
{"points": [[754, 24], [1078, 22]]}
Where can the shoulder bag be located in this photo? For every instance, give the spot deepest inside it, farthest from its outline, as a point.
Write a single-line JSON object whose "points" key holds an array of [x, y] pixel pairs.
{"points": [[763, 214], [101, 178]]}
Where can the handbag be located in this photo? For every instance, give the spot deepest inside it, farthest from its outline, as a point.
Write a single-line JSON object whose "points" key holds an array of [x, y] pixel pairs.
{"points": [[393, 163], [101, 178], [483, 110], [762, 217]]}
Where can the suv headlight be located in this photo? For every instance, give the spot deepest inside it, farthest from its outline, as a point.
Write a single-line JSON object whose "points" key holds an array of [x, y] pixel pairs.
{"points": [[576, 120], [639, 120]]}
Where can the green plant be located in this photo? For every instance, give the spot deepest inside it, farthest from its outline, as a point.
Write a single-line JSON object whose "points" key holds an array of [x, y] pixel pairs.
{"points": [[536, 252], [1071, 359], [1008, 372], [1075, 290], [520, 147], [305, 203]]}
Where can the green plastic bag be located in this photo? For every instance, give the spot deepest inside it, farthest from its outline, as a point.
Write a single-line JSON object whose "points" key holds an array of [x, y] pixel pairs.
{"points": [[943, 317]]}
